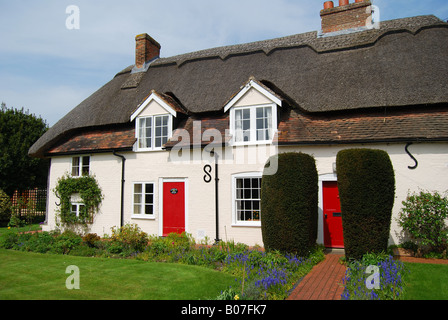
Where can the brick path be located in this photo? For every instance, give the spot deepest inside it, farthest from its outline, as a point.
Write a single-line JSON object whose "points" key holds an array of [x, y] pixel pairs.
{"points": [[324, 282]]}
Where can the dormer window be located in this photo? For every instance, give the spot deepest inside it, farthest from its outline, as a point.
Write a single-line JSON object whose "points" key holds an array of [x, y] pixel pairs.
{"points": [[253, 124], [153, 131], [154, 121], [253, 114]]}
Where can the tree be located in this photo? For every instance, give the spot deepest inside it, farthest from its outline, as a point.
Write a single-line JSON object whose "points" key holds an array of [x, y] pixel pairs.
{"points": [[18, 132]]}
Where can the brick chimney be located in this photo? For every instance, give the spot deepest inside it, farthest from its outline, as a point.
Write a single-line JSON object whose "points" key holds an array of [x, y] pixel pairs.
{"points": [[346, 16], [146, 49]]}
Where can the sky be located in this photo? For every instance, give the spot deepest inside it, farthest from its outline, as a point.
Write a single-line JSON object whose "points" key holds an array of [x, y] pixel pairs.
{"points": [[49, 63]]}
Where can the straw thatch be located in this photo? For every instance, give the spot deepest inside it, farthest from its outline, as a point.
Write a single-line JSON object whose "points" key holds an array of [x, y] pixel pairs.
{"points": [[404, 63]]}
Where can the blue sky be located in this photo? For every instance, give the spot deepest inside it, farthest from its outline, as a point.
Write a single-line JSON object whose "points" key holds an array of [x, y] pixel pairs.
{"points": [[49, 69]]}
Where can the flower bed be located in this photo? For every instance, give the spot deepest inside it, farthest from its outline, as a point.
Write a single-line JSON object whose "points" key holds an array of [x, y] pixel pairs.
{"points": [[360, 281]]}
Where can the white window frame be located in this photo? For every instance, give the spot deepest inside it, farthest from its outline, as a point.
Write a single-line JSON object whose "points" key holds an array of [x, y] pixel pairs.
{"points": [[253, 124], [153, 131], [80, 166], [78, 206], [235, 221], [142, 214]]}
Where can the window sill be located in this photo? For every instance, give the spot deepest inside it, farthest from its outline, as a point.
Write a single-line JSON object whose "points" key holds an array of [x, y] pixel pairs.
{"points": [[251, 143], [149, 150], [247, 224], [143, 217]]}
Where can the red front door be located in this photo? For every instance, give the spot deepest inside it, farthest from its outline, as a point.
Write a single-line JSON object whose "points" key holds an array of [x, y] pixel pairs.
{"points": [[173, 207], [333, 235]]}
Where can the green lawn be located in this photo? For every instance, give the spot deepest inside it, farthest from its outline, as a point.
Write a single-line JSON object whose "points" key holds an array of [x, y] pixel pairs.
{"points": [[427, 282], [25, 275]]}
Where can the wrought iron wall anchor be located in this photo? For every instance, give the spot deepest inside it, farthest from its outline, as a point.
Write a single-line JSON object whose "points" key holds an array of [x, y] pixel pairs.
{"points": [[207, 170], [57, 195], [412, 157]]}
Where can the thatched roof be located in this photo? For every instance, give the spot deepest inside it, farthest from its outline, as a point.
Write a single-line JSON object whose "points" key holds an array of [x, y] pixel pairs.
{"points": [[404, 63]]}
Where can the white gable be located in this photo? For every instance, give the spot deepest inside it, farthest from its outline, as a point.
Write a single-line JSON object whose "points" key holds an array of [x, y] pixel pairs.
{"points": [[153, 105], [251, 98], [252, 94]]}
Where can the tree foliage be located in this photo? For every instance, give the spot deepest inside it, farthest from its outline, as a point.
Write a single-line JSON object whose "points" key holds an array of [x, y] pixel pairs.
{"points": [[18, 131]]}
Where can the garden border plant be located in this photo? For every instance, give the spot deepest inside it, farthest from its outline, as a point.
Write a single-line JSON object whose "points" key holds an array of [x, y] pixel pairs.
{"points": [[91, 195], [392, 278], [423, 219]]}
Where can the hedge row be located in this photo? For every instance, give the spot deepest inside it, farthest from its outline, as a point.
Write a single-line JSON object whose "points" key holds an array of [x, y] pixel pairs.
{"points": [[366, 185], [289, 201]]}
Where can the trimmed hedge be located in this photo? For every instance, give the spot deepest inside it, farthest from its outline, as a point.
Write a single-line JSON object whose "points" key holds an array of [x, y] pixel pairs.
{"points": [[366, 185], [289, 201]]}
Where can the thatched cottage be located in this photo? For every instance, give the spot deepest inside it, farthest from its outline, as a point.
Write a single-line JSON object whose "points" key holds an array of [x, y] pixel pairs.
{"points": [[158, 134]]}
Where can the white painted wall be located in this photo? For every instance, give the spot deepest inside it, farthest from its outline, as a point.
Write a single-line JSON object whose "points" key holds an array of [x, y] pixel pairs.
{"points": [[431, 174]]}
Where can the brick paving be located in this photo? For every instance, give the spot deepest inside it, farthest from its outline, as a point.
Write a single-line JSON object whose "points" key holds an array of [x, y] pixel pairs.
{"points": [[324, 282]]}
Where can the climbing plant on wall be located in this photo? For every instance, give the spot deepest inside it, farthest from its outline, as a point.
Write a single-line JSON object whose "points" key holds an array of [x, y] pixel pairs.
{"points": [[91, 197]]}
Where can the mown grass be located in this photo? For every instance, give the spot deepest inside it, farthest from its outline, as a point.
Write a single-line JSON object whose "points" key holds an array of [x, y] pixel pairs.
{"points": [[427, 282], [33, 276]]}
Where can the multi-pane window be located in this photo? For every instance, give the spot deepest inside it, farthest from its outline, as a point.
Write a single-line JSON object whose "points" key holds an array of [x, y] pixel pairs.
{"points": [[247, 199], [242, 125], [77, 208], [253, 124], [161, 130], [153, 131], [80, 166], [145, 133], [143, 199], [264, 123]]}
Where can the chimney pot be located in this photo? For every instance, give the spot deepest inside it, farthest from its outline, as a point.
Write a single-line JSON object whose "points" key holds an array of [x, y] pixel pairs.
{"points": [[146, 49], [343, 3], [328, 5]]}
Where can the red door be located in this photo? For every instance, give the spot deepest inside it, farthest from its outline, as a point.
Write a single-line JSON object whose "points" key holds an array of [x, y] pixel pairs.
{"points": [[173, 207], [333, 235]]}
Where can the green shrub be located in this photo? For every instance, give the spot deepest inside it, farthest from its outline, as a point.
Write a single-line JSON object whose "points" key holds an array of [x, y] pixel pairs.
{"points": [[8, 240], [366, 185], [90, 239], [423, 217], [5, 208], [65, 242], [38, 242], [130, 237], [289, 204]]}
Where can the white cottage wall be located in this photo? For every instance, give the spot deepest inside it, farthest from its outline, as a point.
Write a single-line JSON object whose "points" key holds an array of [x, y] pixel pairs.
{"points": [[431, 174]]}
